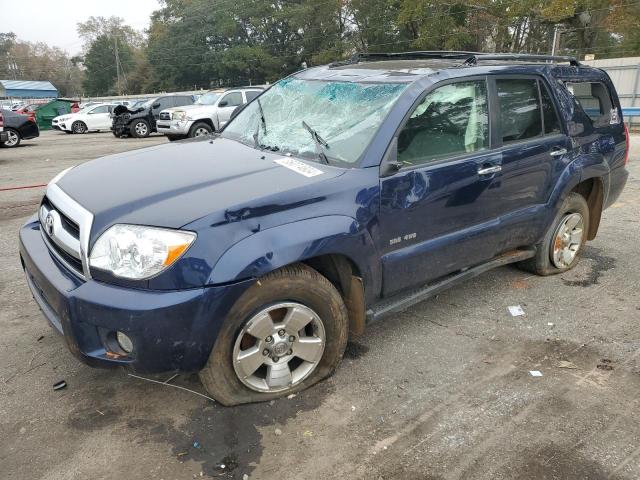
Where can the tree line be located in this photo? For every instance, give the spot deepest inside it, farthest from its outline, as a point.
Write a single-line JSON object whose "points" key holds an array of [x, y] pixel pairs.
{"points": [[194, 44]]}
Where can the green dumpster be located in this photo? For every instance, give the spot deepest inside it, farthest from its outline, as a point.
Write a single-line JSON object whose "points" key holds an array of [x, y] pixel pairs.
{"points": [[48, 111]]}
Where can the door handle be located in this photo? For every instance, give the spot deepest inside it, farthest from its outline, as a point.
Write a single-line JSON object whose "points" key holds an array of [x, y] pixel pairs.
{"points": [[558, 152], [489, 170]]}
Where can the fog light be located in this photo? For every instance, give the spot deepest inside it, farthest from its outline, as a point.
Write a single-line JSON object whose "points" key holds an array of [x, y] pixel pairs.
{"points": [[124, 341]]}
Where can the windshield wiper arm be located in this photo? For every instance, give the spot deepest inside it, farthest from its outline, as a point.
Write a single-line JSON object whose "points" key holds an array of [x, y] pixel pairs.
{"points": [[321, 144], [263, 122]]}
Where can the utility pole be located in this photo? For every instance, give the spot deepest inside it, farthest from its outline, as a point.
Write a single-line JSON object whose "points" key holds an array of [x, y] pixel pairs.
{"points": [[115, 45], [556, 38]]}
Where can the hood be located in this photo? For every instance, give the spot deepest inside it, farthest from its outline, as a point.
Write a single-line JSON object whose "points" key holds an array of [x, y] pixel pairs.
{"points": [[120, 109], [193, 109], [174, 184]]}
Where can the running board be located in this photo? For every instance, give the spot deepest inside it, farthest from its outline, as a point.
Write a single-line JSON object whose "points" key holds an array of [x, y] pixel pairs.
{"points": [[404, 300]]}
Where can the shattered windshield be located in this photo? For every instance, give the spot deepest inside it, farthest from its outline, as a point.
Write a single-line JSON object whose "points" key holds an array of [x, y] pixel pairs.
{"points": [[345, 115], [208, 98]]}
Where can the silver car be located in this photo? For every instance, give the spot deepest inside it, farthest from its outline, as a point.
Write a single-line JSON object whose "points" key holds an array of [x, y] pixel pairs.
{"points": [[208, 114]]}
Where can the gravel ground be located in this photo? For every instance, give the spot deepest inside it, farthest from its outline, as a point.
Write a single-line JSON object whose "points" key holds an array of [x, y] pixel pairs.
{"points": [[441, 391]]}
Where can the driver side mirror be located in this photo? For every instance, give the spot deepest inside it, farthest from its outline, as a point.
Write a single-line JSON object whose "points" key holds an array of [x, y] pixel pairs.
{"points": [[155, 105], [223, 103]]}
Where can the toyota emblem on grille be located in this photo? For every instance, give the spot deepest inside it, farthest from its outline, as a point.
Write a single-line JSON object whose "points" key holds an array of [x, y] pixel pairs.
{"points": [[48, 224]]}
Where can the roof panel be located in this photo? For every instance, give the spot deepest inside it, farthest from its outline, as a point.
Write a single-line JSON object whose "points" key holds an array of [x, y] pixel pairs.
{"points": [[27, 85]]}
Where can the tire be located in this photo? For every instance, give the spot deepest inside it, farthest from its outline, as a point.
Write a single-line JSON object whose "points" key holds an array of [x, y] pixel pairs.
{"points": [[14, 138], [68, 132], [140, 129], [300, 288], [199, 129], [548, 259], [79, 127]]}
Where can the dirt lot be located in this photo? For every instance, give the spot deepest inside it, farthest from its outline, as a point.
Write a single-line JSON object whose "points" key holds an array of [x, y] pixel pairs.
{"points": [[442, 391]]}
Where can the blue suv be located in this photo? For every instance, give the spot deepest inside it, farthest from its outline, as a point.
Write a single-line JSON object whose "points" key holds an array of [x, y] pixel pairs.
{"points": [[341, 194]]}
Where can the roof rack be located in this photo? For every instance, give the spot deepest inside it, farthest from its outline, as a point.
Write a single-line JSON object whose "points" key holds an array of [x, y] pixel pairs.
{"points": [[469, 58], [473, 59]]}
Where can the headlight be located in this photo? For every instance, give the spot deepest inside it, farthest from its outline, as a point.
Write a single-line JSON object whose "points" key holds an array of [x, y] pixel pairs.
{"points": [[179, 115], [137, 252]]}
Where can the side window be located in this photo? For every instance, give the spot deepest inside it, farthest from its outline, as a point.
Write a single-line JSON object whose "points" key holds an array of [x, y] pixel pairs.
{"points": [[450, 120], [520, 116], [233, 99], [166, 102], [251, 94], [180, 101], [100, 109], [549, 114], [594, 99]]}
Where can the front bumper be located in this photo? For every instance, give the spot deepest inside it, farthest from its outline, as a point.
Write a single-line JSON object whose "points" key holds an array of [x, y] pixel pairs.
{"points": [[171, 330], [174, 127]]}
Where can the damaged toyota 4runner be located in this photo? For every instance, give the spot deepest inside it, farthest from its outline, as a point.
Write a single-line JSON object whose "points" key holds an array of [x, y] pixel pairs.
{"points": [[340, 195]]}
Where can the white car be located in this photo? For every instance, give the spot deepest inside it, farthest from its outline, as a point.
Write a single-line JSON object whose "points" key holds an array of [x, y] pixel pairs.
{"points": [[92, 118]]}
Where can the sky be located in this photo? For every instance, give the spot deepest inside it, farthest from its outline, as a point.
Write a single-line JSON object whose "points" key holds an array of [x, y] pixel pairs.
{"points": [[54, 21]]}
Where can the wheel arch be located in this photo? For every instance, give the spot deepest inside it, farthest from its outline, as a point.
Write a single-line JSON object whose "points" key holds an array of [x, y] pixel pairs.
{"points": [[592, 189], [206, 120], [336, 246]]}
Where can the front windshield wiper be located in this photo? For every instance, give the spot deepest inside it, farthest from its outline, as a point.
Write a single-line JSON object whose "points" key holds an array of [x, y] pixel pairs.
{"points": [[263, 122], [321, 144]]}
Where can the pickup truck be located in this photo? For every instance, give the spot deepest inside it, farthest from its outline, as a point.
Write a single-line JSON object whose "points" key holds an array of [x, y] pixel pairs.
{"points": [[210, 113], [341, 195]]}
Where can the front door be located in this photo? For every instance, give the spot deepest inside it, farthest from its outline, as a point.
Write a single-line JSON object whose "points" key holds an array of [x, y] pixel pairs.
{"points": [[99, 118], [437, 213], [227, 105]]}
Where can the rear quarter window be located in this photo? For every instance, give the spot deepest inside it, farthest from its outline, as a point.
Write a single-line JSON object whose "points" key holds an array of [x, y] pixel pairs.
{"points": [[595, 100]]}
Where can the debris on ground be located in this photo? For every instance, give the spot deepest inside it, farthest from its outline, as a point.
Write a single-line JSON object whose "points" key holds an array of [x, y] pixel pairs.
{"points": [[245, 477], [535, 373], [196, 444], [308, 433], [566, 364], [515, 310], [60, 385], [278, 432], [605, 364], [550, 324], [353, 408], [293, 395], [40, 338]]}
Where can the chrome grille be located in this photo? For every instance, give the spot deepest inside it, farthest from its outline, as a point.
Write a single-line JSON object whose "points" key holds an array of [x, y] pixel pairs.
{"points": [[65, 228], [165, 116]]}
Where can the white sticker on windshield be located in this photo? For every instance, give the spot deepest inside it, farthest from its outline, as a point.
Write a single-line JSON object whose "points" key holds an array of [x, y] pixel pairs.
{"points": [[299, 167]]}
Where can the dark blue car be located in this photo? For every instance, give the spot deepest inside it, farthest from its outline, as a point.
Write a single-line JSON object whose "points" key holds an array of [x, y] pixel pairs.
{"points": [[340, 195]]}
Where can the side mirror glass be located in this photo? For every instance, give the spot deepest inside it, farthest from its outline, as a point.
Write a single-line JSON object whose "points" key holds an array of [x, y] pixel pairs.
{"points": [[223, 103], [156, 105], [390, 164]]}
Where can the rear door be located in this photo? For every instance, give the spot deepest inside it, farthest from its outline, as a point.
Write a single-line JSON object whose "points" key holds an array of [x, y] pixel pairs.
{"points": [[227, 104], [534, 150]]}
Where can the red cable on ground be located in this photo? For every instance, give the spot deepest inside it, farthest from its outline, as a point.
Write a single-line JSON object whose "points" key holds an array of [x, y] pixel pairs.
{"points": [[23, 187]]}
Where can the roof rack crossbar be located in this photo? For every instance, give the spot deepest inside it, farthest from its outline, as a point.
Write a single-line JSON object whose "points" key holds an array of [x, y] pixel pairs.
{"points": [[473, 59], [468, 58]]}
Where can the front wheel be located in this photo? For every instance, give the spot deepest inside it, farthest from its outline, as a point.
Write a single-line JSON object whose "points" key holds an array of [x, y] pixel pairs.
{"points": [[79, 127], [563, 243], [140, 129], [285, 333], [199, 129]]}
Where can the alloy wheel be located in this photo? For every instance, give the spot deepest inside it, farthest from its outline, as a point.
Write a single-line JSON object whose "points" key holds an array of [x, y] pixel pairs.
{"points": [[279, 347], [13, 139], [141, 129], [567, 240]]}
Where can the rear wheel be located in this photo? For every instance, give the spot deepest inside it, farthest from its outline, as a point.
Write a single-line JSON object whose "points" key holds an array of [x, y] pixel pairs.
{"points": [[79, 127], [199, 129], [284, 334], [13, 140], [563, 243], [140, 129]]}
